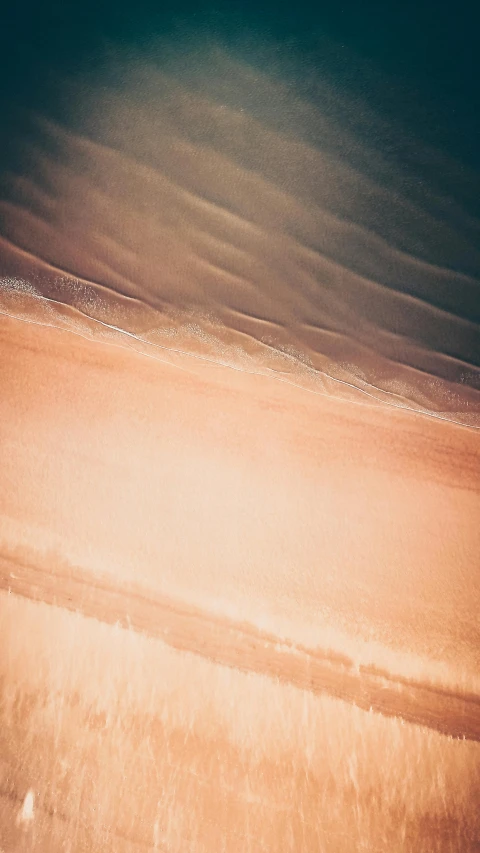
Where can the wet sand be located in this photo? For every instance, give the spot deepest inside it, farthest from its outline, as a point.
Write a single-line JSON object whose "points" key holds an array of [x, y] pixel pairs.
{"points": [[246, 649]]}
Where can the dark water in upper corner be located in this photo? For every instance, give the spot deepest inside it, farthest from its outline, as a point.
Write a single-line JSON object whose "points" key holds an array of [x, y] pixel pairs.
{"points": [[291, 189]]}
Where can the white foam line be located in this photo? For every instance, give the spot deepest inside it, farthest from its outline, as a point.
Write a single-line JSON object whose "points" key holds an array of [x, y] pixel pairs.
{"points": [[219, 362]]}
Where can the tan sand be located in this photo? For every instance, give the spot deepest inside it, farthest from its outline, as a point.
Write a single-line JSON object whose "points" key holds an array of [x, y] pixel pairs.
{"points": [[205, 451], [239, 492], [346, 527]]}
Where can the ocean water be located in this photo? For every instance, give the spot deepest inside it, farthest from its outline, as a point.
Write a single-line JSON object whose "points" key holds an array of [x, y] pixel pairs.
{"points": [[195, 196]]}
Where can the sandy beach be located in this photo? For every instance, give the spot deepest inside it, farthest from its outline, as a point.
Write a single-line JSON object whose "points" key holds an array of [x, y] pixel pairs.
{"points": [[274, 537], [239, 464]]}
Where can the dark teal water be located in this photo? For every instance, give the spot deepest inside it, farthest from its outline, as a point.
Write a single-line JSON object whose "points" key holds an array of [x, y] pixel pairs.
{"points": [[306, 178]]}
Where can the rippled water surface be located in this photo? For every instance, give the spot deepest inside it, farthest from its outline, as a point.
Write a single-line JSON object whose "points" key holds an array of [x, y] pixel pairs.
{"points": [[197, 202]]}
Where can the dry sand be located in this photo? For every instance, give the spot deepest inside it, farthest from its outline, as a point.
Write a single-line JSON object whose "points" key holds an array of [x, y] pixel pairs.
{"points": [[321, 523]]}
